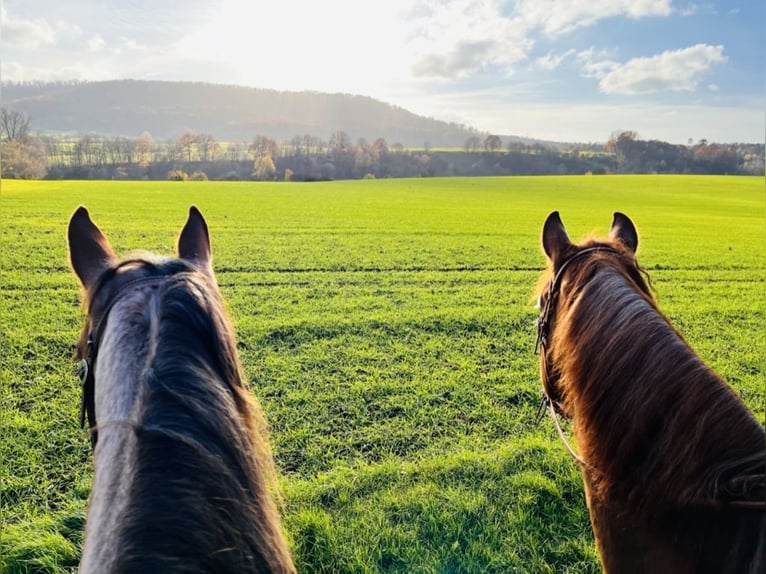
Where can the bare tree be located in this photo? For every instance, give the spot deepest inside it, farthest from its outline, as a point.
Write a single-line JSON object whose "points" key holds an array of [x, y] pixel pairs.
{"points": [[264, 145], [492, 143], [379, 149], [127, 149], [295, 144], [308, 141], [14, 126], [186, 142], [340, 142], [207, 146], [23, 160], [234, 151], [472, 144], [625, 145], [144, 144]]}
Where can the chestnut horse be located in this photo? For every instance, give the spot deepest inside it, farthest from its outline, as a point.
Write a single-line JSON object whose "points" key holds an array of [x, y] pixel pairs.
{"points": [[673, 462], [183, 472]]}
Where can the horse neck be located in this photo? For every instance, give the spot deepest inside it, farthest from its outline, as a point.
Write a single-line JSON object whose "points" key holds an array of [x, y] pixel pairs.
{"points": [[122, 359], [649, 415], [175, 467]]}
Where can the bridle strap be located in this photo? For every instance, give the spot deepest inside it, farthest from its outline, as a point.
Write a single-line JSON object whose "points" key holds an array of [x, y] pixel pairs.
{"points": [[547, 405]]}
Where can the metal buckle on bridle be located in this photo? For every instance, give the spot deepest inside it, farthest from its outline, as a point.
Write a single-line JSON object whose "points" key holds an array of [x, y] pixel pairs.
{"points": [[542, 328]]}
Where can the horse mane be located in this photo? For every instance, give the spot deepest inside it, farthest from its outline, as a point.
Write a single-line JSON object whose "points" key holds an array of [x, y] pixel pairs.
{"points": [[203, 457], [656, 425]]}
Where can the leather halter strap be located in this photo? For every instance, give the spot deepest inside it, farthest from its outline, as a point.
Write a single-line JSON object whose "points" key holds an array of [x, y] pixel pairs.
{"points": [[86, 372]]}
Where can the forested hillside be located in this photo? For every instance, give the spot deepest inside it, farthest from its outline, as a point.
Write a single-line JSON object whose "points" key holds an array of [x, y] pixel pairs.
{"points": [[230, 113]]}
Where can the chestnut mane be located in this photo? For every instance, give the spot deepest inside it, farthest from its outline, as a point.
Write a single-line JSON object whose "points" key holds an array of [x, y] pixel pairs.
{"points": [[658, 430]]}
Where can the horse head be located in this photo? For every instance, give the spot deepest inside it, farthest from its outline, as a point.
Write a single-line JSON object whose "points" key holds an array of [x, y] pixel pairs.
{"points": [[562, 256], [183, 469]]}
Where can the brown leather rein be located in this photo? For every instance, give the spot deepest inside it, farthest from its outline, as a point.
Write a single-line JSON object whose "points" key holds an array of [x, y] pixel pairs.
{"points": [[551, 404], [85, 370]]}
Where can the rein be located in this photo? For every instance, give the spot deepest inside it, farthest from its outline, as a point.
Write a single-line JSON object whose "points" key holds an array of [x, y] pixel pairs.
{"points": [[85, 369]]}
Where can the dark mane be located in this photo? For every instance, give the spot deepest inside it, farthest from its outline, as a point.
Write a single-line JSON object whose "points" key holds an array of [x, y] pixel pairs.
{"points": [[202, 457], [662, 428], [184, 478]]}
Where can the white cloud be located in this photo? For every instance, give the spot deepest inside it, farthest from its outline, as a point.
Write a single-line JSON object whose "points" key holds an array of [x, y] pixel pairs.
{"points": [[96, 44], [557, 17], [599, 68], [584, 56], [459, 38], [552, 61], [673, 70], [336, 45], [34, 33], [466, 57], [694, 9], [128, 46]]}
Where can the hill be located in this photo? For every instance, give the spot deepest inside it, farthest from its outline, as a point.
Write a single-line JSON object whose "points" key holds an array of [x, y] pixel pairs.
{"points": [[228, 113]]}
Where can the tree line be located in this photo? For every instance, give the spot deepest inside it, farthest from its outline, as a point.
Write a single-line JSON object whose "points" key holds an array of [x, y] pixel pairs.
{"points": [[309, 158]]}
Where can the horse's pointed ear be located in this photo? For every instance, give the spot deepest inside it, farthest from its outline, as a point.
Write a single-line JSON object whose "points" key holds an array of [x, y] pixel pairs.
{"points": [[555, 238], [624, 230], [89, 249], [194, 241]]}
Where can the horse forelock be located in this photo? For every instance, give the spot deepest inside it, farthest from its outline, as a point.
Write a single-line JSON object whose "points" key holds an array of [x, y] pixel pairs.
{"points": [[199, 453], [648, 414], [621, 255]]}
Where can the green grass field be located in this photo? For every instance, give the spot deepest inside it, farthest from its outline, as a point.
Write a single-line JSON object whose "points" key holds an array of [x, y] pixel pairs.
{"points": [[387, 328]]}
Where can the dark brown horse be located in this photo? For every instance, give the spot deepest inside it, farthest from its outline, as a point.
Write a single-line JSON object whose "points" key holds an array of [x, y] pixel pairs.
{"points": [[673, 462], [183, 471]]}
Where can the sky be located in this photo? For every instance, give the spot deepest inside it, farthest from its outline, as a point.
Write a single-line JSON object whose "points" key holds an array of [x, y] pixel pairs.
{"points": [[561, 70]]}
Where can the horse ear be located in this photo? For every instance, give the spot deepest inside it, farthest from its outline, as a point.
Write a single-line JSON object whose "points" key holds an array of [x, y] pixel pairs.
{"points": [[194, 240], [624, 230], [555, 238], [89, 249]]}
